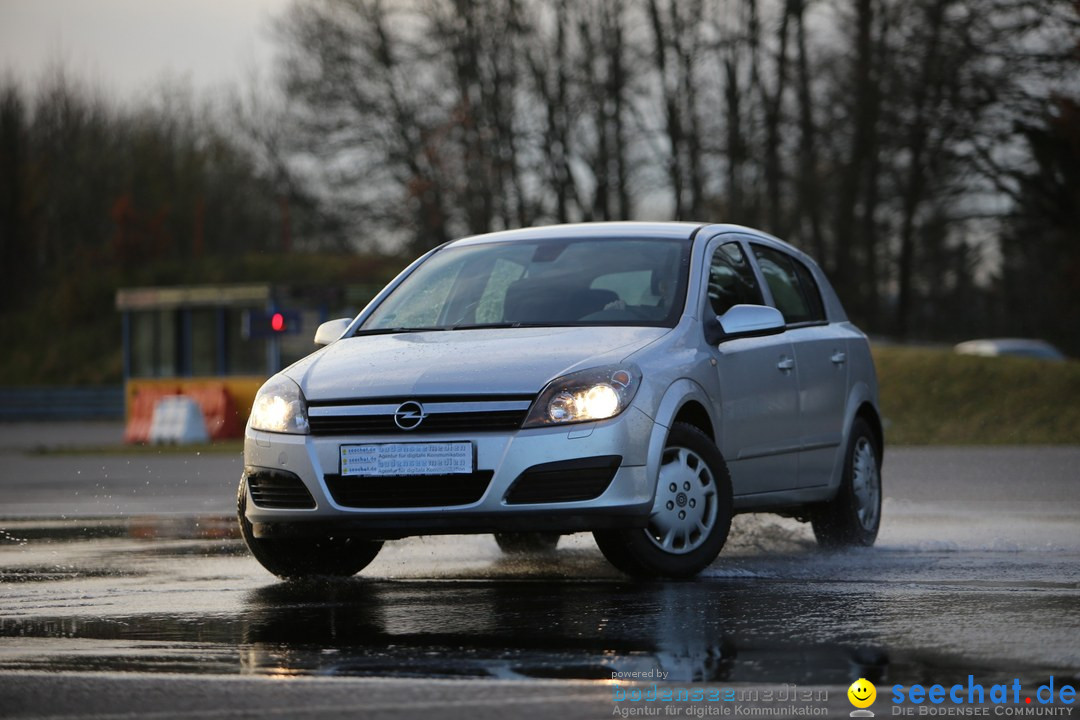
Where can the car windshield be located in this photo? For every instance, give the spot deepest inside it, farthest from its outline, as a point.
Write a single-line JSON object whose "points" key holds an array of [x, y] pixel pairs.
{"points": [[533, 283]]}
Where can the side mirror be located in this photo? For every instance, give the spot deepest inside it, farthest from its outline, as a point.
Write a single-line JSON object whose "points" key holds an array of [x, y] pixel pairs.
{"points": [[742, 321], [331, 330]]}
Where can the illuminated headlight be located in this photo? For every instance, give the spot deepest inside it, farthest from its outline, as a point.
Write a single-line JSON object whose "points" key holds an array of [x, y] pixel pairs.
{"points": [[280, 407], [584, 396]]}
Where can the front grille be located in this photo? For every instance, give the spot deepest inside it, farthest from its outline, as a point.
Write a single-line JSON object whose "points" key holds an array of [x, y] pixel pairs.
{"points": [[446, 422], [278, 489], [564, 481], [409, 491], [443, 415]]}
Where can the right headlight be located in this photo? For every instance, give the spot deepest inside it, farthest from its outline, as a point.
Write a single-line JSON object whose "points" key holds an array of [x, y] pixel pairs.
{"points": [[585, 396], [280, 407]]}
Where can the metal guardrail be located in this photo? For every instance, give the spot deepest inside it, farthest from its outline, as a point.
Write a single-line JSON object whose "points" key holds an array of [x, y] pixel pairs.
{"points": [[62, 403]]}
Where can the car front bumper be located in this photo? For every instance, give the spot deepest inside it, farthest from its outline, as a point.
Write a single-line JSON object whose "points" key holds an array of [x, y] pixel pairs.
{"points": [[549, 457]]}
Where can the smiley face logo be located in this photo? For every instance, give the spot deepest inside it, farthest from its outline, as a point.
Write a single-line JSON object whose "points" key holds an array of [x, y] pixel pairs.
{"points": [[862, 693]]}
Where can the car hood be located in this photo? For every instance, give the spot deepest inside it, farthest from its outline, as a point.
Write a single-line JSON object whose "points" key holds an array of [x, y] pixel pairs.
{"points": [[462, 362]]}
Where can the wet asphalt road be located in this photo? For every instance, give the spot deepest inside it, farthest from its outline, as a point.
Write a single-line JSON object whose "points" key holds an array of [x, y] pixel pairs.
{"points": [[142, 602]]}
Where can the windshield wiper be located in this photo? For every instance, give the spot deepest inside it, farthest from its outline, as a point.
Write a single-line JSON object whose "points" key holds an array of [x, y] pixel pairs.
{"points": [[394, 330], [498, 325]]}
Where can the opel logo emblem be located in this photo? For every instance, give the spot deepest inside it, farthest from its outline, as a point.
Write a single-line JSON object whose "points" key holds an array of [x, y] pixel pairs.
{"points": [[409, 415]]}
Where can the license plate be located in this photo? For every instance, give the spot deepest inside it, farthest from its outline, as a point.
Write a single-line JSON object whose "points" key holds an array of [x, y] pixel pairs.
{"points": [[390, 459]]}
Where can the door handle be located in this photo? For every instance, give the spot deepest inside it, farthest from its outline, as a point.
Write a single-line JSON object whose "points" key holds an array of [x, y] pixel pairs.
{"points": [[838, 358], [785, 364]]}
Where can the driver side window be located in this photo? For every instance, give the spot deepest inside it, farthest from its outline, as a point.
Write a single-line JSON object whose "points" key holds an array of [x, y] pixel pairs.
{"points": [[731, 279]]}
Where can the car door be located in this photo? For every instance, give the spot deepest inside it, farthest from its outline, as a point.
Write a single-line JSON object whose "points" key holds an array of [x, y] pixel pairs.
{"points": [[821, 367], [758, 390]]}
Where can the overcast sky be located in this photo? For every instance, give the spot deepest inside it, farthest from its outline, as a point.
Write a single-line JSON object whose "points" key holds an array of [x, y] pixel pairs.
{"points": [[127, 46]]}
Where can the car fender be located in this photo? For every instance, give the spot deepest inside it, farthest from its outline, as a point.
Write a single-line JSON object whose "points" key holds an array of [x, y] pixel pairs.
{"points": [[860, 394], [675, 397]]}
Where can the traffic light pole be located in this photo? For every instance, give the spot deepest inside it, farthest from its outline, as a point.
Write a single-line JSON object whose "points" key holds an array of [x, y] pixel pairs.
{"points": [[273, 354]]}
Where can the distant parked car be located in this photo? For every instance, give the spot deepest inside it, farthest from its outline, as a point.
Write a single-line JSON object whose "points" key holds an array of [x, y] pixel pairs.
{"points": [[1039, 349], [643, 381]]}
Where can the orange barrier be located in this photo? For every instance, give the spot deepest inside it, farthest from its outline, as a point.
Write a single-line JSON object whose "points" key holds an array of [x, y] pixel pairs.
{"points": [[218, 410], [141, 411], [225, 403]]}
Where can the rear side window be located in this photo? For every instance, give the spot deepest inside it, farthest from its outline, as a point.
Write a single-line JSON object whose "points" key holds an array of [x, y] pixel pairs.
{"points": [[731, 279], [792, 285]]}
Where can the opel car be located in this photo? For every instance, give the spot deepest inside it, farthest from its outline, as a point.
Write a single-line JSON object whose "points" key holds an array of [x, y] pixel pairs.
{"points": [[639, 381]]}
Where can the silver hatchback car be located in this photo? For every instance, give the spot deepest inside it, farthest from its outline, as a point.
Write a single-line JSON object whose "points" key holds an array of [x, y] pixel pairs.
{"points": [[642, 381]]}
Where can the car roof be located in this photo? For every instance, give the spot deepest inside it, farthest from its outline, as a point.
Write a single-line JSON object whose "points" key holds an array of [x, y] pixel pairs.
{"points": [[672, 230]]}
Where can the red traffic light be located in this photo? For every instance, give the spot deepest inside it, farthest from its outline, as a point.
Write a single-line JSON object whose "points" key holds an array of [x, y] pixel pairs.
{"points": [[262, 324]]}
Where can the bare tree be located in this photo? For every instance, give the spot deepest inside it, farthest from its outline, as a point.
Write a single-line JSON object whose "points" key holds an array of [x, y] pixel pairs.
{"points": [[875, 133]]}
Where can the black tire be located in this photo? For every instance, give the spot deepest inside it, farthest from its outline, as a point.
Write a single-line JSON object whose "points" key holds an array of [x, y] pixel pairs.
{"points": [[531, 543], [668, 547], [299, 558], [852, 518]]}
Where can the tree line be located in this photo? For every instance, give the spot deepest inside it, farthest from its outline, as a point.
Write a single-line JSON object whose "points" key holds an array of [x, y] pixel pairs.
{"points": [[895, 140], [97, 194], [85, 182], [926, 152]]}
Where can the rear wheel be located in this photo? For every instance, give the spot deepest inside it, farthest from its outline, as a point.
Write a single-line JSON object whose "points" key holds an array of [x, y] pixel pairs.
{"points": [[853, 517], [297, 558], [691, 514], [534, 543]]}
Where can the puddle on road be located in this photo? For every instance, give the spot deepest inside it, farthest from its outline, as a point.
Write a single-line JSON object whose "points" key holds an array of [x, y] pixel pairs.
{"points": [[499, 629], [53, 573], [182, 596], [708, 631], [148, 527]]}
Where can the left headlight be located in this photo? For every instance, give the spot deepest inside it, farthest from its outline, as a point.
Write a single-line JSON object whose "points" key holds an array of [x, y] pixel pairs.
{"points": [[584, 396], [280, 407]]}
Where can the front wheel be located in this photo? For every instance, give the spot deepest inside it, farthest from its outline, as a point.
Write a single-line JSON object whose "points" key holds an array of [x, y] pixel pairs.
{"points": [[853, 517], [299, 558], [691, 513]]}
